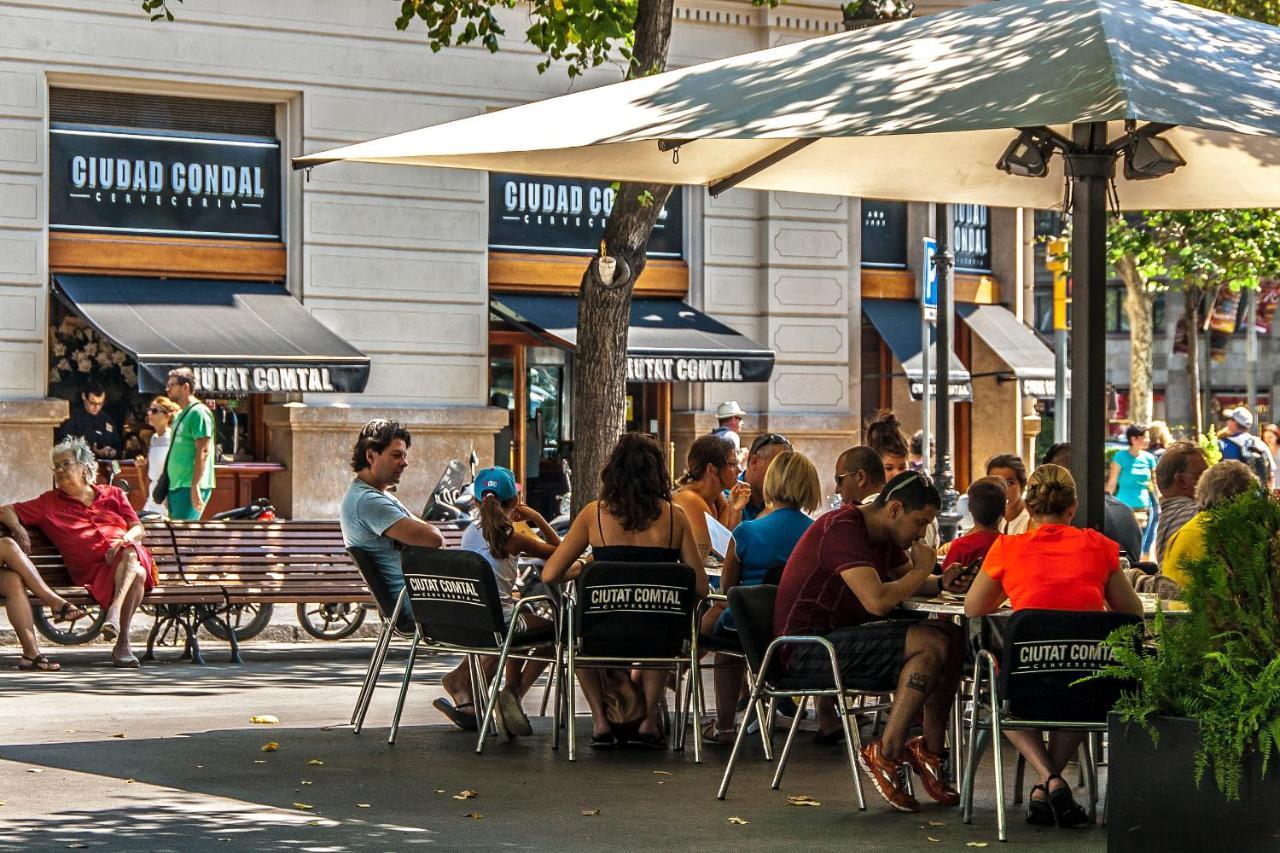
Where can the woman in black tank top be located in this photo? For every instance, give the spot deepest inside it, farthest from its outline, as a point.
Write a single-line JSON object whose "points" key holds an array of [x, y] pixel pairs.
{"points": [[635, 495]]}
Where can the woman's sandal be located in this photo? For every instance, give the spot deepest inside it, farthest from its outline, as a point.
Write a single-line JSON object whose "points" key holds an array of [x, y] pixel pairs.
{"points": [[608, 740], [1066, 811], [61, 615], [1039, 812], [465, 720], [716, 736], [39, 663], [654, 741]]}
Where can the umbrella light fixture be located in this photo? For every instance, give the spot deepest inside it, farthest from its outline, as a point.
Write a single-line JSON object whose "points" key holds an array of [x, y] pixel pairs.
{"points": [[1185, 99]]}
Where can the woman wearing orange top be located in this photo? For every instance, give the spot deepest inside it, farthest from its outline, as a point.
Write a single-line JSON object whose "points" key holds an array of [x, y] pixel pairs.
{"points": [[1053, 567]]}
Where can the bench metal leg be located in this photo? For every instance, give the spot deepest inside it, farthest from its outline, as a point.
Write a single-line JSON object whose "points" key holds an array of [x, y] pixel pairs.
{"points": [[231, 636]]}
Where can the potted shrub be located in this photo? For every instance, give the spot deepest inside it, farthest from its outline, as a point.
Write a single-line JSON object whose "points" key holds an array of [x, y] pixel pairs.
{"points": [[1194, 748]]}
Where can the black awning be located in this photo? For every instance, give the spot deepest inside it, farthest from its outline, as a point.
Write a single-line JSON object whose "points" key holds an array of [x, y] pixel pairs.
{"points": [[669, 341], [898, 322], [240, 337], [1029, 358]]}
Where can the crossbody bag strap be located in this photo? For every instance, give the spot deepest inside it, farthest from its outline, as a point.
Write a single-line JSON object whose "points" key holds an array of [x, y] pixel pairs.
{"points": [[174, 434]]}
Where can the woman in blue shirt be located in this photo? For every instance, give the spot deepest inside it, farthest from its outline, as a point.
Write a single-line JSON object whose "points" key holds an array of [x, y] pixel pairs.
{"points": [[1132, 478], [758, 551]]}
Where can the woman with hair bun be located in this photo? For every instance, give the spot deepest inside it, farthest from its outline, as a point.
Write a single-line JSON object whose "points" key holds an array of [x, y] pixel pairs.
{"points": [[1054, 567], [885, 437]]}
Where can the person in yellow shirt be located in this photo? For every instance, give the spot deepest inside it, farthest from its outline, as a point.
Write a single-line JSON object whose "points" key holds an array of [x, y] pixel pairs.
{"points": [[1219, 484]]}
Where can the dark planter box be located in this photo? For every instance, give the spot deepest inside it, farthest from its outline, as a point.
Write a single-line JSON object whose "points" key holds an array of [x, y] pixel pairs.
{"points": [[1153, 802]]}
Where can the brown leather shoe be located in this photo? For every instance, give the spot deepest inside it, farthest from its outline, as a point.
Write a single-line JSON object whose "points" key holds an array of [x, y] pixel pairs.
{"points": [[888, 777], [929, 768]]}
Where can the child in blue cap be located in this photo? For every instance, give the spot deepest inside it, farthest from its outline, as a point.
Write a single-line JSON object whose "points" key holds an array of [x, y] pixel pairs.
{"points": [[494, 536]]}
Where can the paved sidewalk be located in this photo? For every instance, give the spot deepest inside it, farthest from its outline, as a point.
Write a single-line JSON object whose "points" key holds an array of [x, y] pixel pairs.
{"points": [[165, 758]]}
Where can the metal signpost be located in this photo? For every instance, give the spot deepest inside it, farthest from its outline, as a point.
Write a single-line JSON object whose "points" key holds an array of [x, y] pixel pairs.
{"points": [[928, 316]]}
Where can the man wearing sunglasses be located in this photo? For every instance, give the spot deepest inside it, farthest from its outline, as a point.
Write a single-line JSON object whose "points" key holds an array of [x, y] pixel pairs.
{"points": [[848, 572], [859, 475], [763, 449]]}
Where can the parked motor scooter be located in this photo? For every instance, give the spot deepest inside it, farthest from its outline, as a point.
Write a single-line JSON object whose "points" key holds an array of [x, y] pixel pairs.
{"points": [[451, 501], [258, 510]]}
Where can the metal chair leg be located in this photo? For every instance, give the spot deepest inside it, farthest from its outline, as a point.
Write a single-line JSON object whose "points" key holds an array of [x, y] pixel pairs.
{"points": [[786, 746], [698, 702], [371, 676], [491, 705], [998, 759], [571, 690], [972, 758], [852, 746], [754, 706], [404, 689], [1019, 779], [556, 683], [1089, 769]]}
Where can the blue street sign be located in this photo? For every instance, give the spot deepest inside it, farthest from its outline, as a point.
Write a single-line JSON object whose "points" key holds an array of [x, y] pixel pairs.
{"points": [[929, 289]]}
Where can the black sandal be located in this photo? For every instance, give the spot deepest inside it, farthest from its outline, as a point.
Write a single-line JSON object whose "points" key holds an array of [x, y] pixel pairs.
{"points": [[39, 663], [830, 738], [464, 720], [608, 740], [1039, 812], [60, 615], [1066, 811]]}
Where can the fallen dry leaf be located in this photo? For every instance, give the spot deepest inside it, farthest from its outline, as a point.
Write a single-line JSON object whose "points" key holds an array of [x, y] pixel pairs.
{"points": [[34, 770], [661, 773], [937, 823], [119, 734], [362, 805], [270, 747], [440, 790], [976, 844], [589, 812], [803, 800], [315, 762], [739, 821], [129, 781], [303, 806], [265, 719], [473, 815], [931, 838], [199, 766], [306, 781], [466, 795], [259, 761], [76, 844]]}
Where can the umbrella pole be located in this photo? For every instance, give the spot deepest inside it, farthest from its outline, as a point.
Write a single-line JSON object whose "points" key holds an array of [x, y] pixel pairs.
{"points": [[1091, 167], [943, 229]]}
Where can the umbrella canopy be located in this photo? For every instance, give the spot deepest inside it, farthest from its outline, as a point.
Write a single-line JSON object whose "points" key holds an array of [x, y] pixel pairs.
{"points": [[917, 110]]}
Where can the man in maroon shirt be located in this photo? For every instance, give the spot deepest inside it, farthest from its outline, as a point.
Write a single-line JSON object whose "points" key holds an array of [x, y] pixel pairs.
{"points": [[849, 570]]}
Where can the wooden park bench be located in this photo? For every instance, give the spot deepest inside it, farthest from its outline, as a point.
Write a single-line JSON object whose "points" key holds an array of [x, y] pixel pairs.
{"points": [[212, 573]]}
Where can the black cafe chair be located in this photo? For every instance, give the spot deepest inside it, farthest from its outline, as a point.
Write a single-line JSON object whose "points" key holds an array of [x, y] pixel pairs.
{"points": [[401, 627], [752, 608], [457, 610], [1035, 685], [636, 616]]}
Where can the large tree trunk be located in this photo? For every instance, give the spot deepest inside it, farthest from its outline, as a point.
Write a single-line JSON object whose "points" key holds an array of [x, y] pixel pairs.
{"points": [[1138, 306], [1191, 319], [604, 313]]}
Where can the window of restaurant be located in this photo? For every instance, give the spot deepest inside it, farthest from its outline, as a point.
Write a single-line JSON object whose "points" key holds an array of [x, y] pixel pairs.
{"points": [[542, 231], [166, 250]]}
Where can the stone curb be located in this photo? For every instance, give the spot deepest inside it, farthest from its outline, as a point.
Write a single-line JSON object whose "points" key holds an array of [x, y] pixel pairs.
{"points": [[271, 634]]}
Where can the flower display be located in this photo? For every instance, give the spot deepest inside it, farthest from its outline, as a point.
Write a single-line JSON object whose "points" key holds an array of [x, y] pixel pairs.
{"points": [[79, 355]]}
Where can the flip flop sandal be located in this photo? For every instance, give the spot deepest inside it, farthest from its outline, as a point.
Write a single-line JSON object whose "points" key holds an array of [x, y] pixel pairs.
{"points": [[110, 631], [39, 663], [1039, 812], [608, 740], [61, 615], [128, 662], [1066, 811], [654, 742], [464, 720], [715, 736], [515, 720]]}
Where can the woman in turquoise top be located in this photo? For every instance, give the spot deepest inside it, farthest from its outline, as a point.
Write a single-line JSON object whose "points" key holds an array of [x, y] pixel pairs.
{"points": [[1132, 480], [757, 553]]}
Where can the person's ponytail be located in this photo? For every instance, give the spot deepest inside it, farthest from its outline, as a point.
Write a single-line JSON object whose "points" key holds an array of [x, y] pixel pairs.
{"points": [[1050, 491], [495, 525]]}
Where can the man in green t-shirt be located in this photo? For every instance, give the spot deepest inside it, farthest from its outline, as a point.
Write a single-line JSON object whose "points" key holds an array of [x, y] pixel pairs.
{"points": [[190, 463]]}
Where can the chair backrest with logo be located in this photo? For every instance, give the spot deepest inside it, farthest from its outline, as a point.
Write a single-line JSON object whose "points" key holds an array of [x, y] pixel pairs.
{"points": [[454, 597], [638, 610], [1046, 652]]}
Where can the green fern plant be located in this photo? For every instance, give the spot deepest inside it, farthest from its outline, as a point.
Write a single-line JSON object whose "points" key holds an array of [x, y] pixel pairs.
{"points": [[1219, 664]]}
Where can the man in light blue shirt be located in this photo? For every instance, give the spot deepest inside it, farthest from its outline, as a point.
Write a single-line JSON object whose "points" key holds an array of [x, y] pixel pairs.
{"points": [[373, 520]]}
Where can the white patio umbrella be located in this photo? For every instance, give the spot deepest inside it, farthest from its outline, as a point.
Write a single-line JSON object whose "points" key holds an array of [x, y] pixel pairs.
{"points": [[922, 110]]}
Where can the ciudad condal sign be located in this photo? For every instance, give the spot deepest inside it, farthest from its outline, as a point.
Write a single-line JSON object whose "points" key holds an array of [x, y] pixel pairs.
{"points": [[232, 380], [680, 368], [118, 180]]}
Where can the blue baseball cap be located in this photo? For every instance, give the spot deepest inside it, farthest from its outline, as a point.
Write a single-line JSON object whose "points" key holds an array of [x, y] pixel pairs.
{"points": [[500, 481]]}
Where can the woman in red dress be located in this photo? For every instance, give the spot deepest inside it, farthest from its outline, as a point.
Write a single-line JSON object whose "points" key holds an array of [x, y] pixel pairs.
{"points": [[99, 536]]}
